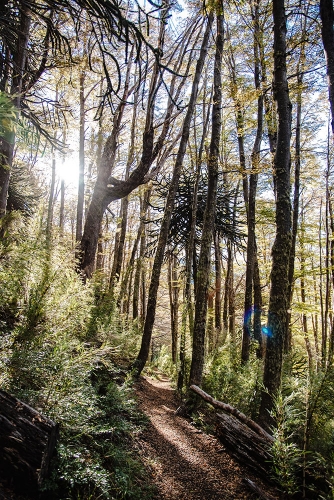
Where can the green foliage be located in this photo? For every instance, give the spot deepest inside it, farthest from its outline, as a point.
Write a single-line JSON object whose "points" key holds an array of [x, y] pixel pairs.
{"points": [[287, 457], [304, 445], [227, 380], [164, 363], [52, 358]]}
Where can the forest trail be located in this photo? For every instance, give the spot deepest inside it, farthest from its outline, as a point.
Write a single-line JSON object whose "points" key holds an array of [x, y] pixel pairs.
{"points": [[185, 463]]}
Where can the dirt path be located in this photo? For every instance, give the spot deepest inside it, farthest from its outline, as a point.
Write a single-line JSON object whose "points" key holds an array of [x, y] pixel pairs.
{"points": [[185, 463]]}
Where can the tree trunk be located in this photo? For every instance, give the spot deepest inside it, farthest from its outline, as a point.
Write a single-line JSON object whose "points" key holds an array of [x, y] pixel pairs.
{"points": [[279, 300], [49, 220], [107, 188], [203, 271], [81, 178], [121, 227], [252, 312], [158, 260], [245, 445], [173, 287], [188, 306], [327, 32], [218, 291], [295, 213], [303, 294], [99, 200]]}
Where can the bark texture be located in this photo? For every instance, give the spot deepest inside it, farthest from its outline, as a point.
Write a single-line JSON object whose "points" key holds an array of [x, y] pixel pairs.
{"points": [[278, 303]]}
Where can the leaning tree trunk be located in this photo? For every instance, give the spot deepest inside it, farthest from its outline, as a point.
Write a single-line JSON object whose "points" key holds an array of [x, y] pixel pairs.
{"points": [[197, 362], [162, 241], [279, 300]]}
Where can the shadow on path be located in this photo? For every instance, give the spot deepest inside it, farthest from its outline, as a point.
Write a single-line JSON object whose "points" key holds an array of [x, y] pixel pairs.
{"points": [[185, 463]]}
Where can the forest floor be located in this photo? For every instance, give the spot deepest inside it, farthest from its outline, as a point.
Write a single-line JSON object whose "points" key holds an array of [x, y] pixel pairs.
{"points": [[186, 463]]}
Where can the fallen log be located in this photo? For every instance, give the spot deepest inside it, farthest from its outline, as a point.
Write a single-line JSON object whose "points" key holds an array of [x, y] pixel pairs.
{"points": [[244, 444], [27, 443], [244, 438], [232, 411]]}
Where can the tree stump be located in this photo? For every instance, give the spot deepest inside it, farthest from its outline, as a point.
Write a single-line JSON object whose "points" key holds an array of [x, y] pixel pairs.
{"points": [[27, 443]]}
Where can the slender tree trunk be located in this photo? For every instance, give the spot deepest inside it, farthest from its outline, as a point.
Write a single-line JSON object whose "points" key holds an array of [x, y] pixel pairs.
{"points": [[173, 287], [229, 292], [324, 311], [158, 260], [252, 311], [315, 321], [258, 308], [303, 293], [218, 289], [49, 220], [279, 300], [138, 273], [62, 194], [295, 213], [81, 178], [100, 253], [327, 270], [210, 321], [121, 227], [203, 271], [188, 308]]}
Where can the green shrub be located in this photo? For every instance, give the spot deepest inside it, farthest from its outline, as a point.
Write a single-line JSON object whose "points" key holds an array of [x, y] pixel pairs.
{"points": [[59, 358]]}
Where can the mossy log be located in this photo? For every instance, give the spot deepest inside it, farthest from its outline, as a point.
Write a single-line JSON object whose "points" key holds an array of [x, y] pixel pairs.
{"points": [[27, 443], [245, 439]]}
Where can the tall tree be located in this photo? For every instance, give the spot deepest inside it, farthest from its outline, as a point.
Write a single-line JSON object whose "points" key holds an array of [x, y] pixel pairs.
{"points": [[203, 271], [163, 235], [279, 300], [108, 188], [251, 261]]}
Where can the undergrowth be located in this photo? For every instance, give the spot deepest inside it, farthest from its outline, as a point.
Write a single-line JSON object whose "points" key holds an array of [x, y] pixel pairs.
{"points": [[60, 350]]}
